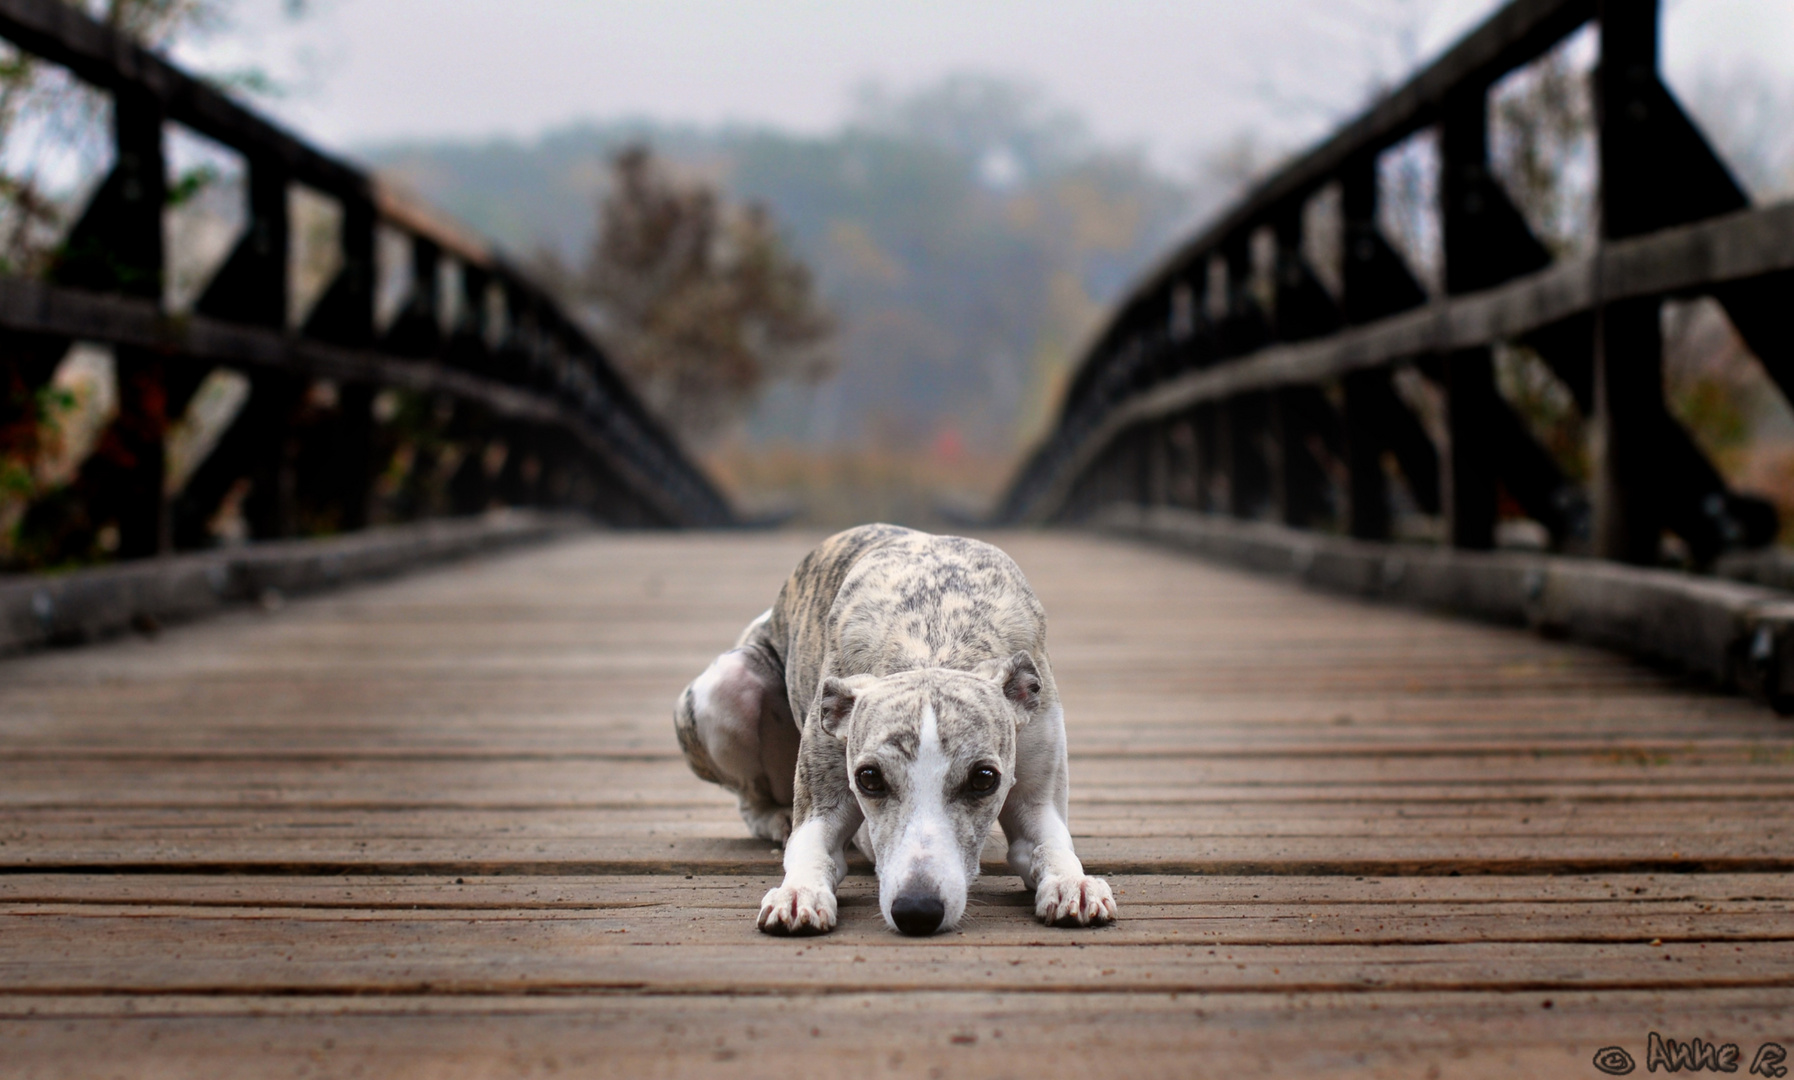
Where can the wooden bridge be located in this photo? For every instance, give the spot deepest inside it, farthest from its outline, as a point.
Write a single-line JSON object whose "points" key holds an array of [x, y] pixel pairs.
{"points": [[439, 826]]}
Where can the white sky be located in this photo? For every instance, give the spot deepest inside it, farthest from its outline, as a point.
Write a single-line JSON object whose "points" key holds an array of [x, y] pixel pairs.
{"points": [[1171, 77]]}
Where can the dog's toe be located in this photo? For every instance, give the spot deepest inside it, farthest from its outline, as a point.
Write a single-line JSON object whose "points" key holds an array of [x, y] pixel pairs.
{"points": [[797, 909], [1074, 901]]}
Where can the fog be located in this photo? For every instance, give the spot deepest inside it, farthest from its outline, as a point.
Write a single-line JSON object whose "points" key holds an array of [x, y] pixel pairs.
{"points": [[1172, 78]]}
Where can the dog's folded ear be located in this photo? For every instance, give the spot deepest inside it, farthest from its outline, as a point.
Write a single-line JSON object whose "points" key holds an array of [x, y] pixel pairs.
{"points": [[1020, 681], [834, 702]]}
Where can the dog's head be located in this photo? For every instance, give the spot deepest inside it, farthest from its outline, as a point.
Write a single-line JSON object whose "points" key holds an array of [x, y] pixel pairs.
{"points": [[930, 757]]}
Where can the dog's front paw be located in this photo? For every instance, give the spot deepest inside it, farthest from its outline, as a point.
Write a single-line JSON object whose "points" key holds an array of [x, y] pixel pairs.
{"points": [[798, 909], [1074, 901]]}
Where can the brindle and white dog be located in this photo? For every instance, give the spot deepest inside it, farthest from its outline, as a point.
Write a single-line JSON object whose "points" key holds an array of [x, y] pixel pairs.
{"points": [[919, 666]]}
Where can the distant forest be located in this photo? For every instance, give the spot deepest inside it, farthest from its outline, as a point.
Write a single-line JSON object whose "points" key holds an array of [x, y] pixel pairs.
{"points": [[966, 237]]}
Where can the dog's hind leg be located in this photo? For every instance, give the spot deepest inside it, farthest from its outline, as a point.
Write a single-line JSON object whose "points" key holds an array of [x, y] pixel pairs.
{"points": [[734, 724]]}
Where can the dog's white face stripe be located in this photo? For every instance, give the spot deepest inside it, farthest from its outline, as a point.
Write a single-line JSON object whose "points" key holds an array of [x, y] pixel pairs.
{"points": [[931, 760], [926, 857]]}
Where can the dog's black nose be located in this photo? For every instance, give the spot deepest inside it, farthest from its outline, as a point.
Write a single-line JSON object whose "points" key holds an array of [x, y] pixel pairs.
{"points": [[918, 916]]}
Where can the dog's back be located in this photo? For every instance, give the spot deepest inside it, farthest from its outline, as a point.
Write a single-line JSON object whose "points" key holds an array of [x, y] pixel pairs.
{"points": [[879, 599]]}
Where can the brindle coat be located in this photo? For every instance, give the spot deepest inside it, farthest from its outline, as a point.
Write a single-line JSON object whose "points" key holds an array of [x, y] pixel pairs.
{"points": [[916, 624]]}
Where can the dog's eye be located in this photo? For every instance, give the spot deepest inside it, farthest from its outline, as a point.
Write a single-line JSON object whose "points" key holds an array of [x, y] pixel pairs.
{"points": [[870, 780], [983, 780]]}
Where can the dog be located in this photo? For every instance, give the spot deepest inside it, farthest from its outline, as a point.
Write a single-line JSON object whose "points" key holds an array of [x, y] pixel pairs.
{"points": [[918, 665]]}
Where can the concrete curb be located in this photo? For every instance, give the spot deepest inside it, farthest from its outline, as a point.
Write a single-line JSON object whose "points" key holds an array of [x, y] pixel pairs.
{"points": [[90, 604], [1738, 635]]}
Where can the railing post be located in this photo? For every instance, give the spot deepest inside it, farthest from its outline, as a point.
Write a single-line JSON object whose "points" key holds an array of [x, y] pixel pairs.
{"points": [[557, 452], [116, 246], [1245, 327], [1627, 109], [1469, 206], [417, 333], [1125, 472], [1376, 282], [1629, 410], [1471, 490], [1281, 440], [1250, 475], [417, 330], [516, 361], [1223, 496], [1629, 422], [1206, 423], [1367, 495], [1306, 429], [471, 488], [1304, 309], [467, 346], [1157, 454], [251, 288], [344, 315], [1184, 485], [1367, 511], [343, 479]]}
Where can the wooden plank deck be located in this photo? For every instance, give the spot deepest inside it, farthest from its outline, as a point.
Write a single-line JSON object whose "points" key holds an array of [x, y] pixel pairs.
{"points": [[440, 828]]}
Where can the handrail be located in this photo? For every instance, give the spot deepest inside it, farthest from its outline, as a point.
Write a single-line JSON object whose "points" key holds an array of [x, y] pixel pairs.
{"points": [[1287, 409], [1689, 259], [1512, 36], [546, 379]]}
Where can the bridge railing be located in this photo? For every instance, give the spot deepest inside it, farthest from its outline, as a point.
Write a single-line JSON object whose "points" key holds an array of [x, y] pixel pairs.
{"points": [[513, 368], [1198, 394]]}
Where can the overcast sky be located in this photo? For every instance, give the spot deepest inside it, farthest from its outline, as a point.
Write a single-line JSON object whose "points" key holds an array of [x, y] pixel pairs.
{"points": [[1174, 78]]}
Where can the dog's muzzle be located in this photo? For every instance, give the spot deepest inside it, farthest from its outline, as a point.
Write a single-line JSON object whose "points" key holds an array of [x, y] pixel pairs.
{"points": [[918, 914]]}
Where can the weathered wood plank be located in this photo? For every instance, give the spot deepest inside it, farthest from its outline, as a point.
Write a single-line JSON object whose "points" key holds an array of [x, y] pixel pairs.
{"points": [[1220, 785], [1367, 1034], [1304, 894], [1161, 910], [1388, 819], [496, 952], [1169, 853]]}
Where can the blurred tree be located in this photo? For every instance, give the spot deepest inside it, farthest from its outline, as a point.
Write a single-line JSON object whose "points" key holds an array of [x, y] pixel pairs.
{"points": [[965, 236], [1542, 136], [703, 304]]}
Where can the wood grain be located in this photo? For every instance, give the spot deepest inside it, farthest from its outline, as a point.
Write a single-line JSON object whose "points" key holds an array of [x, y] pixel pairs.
{"points": [[439, 827]]}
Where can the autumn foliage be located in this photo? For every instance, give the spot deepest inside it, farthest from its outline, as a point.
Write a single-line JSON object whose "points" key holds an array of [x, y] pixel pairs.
{"points": [[701, 303]]}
